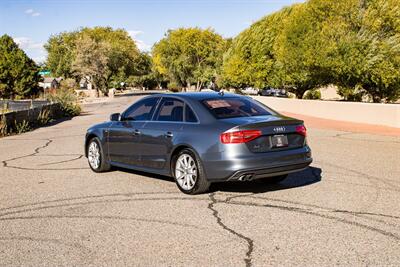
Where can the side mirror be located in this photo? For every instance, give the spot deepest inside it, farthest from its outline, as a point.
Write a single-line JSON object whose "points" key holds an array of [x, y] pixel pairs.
{"points": [[115, 117]]}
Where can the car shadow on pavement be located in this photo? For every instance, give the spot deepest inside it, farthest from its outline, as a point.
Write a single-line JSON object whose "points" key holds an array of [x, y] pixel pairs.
{"points": [[306, 177], [145, 174]]}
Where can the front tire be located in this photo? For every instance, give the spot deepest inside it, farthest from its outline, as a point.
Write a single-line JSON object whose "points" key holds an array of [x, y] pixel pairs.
{"points": [[96, 158], [188, 173]]}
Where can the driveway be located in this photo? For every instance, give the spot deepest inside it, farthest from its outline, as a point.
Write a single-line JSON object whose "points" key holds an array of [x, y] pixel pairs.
{"points": [[54, 211]]}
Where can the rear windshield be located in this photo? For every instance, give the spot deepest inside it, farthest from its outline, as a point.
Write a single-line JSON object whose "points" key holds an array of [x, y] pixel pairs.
{"points": [[223, 108]]}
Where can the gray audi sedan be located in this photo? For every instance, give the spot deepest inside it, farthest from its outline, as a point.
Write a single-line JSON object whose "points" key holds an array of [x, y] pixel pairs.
{"points": [[200, 138]]}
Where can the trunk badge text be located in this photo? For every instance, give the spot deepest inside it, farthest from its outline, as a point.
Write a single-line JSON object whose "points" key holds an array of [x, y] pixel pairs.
{"points": [[279, 129]]}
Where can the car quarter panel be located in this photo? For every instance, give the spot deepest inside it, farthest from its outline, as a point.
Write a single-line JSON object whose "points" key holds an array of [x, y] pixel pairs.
{"points": [[99, 131]]}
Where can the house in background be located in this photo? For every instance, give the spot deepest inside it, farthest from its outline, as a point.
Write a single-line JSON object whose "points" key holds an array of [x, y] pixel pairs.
{"points": [[50, 83], [85, 83]]}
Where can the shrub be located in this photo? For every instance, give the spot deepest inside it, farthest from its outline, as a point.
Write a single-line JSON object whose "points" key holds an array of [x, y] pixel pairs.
{"points": [[22, 127], [68, 100], [44, 117], [351, 94], [312, 94], [3, 126], [174, 87]]}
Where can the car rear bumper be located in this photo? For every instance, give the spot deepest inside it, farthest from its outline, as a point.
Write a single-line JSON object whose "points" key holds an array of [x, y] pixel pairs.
{"points": [[246, 175], [256, 165]]}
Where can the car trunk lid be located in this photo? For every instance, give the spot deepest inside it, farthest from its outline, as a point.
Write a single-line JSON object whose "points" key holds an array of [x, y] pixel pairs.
{"points": [[278, 132]]}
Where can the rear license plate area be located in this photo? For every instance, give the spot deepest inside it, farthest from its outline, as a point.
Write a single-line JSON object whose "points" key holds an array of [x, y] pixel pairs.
{"points": [[278, 141]]}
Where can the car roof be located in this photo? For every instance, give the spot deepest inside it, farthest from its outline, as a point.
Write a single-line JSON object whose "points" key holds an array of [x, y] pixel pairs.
{"points": [[199, 95]]}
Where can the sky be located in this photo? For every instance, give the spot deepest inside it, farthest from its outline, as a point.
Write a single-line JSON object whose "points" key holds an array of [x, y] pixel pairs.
{"points": [[32, 22]]}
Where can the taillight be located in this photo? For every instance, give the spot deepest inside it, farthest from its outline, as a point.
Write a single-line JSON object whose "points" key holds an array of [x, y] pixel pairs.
{"points": [[239, 136], [301, 130]]}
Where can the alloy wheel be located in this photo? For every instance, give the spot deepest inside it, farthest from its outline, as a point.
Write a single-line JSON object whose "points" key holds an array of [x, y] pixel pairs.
{"points": [[186, 172], [94, 155]]}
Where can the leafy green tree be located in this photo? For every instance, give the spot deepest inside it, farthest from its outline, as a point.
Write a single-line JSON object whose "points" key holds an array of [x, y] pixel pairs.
{"points": [[303, 50], [189, 56], [91, 61], [122, 55], [251, 58], [18, 73], [351, 43], [61, 53], [124, 58], [356, 46], [376, 41], [146, 75]]}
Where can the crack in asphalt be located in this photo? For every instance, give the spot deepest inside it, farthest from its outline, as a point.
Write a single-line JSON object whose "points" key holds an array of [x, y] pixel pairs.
{"points": [[313, 213], [211, 206], [325, 208], [249, 241], [373, 184], [86, 197], [36, 151], [6, 163], [103, 217], [95, 202], [364, 175]]}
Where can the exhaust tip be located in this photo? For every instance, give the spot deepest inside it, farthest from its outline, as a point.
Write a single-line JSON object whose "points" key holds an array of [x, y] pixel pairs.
{"points": [[249, 177], [246, 177]]}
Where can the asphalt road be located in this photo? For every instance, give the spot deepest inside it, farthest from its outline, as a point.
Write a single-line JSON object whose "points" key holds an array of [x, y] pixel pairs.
{"points": [[54, 211]]}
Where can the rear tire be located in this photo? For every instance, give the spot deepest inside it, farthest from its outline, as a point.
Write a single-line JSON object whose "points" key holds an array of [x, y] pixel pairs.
{"points": [[274, 180], [188, 173], [96, 158]]}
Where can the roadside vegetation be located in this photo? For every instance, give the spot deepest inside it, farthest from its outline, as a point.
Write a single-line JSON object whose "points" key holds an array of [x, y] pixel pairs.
{"points": [[352, 44], [19, 76], [189, 56], [104, 55], [66, 97]]}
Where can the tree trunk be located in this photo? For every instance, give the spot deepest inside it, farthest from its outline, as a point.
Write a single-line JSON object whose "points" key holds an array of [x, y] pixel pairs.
{"points": [[299, 93], [376, 99], [198, 85], [187, 86]]}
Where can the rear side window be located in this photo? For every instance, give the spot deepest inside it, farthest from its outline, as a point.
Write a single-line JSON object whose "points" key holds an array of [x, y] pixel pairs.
{"points": [[142, 110], [170, 110], [189, 115], [234, 107]]}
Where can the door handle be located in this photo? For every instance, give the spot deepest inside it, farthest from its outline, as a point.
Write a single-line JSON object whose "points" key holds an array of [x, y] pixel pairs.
{"points": [[136, 132], [168, 134]]}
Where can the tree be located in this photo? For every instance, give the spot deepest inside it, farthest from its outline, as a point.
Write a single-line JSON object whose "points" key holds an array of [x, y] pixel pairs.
{"points": [[376, 41], [91, 61], [18, 73], [351, 43], [61, 53], [124, 58], [251, 59], [122, 55], [146, 76], [189, 55]]}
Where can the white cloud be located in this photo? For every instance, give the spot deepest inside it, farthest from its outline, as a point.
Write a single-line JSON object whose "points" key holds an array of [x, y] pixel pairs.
{"points": [[34, 49], [140, 43], [32, 12], [133, 34], [27, 43]]}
